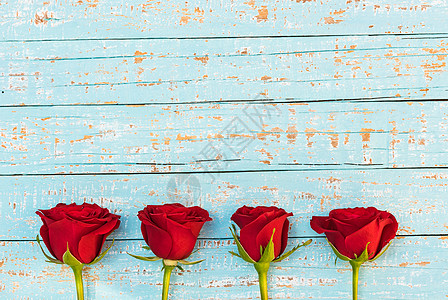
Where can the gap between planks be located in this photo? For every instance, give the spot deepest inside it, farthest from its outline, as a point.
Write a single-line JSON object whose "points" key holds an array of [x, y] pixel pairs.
{"points": [[411, 35], [385, 99], [361, 168], [230, 238]]}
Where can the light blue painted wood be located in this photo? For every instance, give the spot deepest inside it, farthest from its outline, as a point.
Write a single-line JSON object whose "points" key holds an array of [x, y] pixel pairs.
{"points": [[413, 268], [178, 138], [416, 197], [50, 19], [74, 76], [285, 69]]}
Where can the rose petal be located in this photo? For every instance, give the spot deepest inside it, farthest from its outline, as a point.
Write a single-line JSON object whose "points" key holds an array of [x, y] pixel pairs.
{"points": [[245, 214], [90, 245], [183, 238], [324, 225], [160, 220], [320, 224], [45, 236], [195, 227], [338, 241], [357, 217], [344, 228], [284, 237], [46, 220], [259, 232], [242, 216], [389, 232], [65, 231], [371, 233], [174, 223], [265, 234], [157, 239]]}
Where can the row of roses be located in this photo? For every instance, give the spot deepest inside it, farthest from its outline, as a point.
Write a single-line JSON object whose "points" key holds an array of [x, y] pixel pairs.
{"points": [[74, 235]]}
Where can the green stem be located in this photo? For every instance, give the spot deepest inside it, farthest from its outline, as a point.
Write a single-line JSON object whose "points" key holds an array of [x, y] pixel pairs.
{"points": [[77, 270], [355, 267], [169, 265], [262, 270]]}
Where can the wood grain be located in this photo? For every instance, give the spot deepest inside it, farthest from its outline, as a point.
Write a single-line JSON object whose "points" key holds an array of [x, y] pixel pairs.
{"points": [[51, 19], [230, 137], [285, 69], [307, 105], [309, 274], [417, 198]]}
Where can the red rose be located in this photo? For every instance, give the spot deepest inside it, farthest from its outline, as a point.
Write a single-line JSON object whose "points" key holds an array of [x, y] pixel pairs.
{"points": [[350, 229], [84, 227], [171, 230], [256, 228]]}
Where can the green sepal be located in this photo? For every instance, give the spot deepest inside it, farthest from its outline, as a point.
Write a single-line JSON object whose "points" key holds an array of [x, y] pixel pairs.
{"points": [[268, 254], [180, 268], [382, 252], [189, 263], [285, 255], [338, 254], [358, 260], [70, 260], [363, 257], [193, 252], [49, 258], [242, 252], [150, 258], [233, 253], [100, 257], [146, 248]]}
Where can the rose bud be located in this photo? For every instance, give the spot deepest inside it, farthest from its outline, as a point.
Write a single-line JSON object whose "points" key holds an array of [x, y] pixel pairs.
{"points": [[349, 230], [171, 231], [256, 229], [84, 227], [74, 235], [357, 235], [263, 239]]}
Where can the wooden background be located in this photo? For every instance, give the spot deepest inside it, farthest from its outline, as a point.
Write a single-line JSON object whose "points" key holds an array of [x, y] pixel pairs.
{"points": [[309, 105]]}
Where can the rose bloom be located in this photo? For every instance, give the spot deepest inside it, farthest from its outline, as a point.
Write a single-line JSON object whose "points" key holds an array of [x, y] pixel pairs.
{"points": [[171, 230], [84, 227], [350, 229], [256, 228]]}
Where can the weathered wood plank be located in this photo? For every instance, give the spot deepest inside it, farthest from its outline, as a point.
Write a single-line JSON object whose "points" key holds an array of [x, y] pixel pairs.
{"points": [[89, 19], [179, 71], [412, 268], [185, 71], [138, 91], [417, 198], [230, 137]]}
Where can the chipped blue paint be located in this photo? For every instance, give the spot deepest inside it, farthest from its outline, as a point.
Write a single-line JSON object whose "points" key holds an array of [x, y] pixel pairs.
{"points": [[311, 105]]}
